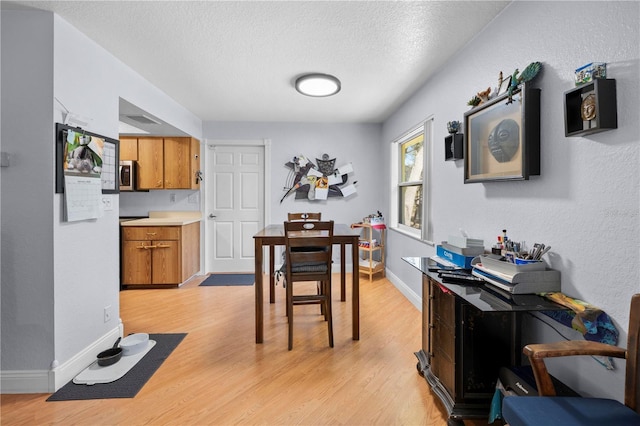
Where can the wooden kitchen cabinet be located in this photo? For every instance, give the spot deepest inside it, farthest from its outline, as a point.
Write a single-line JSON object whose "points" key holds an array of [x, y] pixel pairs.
{"points": [[128, 148], [195, 171], [177, 163], [160, 255], [168, 163], [150, 163]]}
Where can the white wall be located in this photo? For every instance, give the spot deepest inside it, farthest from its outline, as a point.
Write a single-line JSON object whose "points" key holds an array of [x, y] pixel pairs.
{"points": [[585, 203], [140, 203], [57, 277], [27, 192], [355, 143]]}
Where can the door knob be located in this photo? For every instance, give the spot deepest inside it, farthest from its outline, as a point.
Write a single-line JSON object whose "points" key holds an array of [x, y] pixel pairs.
{"points": [[211, 216]]}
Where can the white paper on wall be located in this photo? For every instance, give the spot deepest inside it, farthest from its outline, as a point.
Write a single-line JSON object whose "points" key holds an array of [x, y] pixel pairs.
{"points": [[335, 179], [322, 193], [348, 190], [345, 169], [314, 172], [83, 198]]}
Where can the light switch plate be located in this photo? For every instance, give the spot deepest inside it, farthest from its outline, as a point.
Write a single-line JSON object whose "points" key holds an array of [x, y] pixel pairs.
{"points": [[4, 159]]}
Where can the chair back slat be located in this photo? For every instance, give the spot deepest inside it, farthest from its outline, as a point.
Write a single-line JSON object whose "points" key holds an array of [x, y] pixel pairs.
{"points": [[632, 380], [304, 216]]}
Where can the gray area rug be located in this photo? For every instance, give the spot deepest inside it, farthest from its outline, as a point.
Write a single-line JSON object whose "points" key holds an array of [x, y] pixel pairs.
{"points": [[229, 279], [130, 384]]}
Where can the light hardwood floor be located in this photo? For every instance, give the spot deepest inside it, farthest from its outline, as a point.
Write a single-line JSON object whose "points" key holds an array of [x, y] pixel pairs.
{"points": [[218, 375]]}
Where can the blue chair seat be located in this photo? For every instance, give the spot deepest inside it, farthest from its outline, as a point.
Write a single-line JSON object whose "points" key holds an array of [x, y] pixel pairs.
{"points": [[567, 411]]}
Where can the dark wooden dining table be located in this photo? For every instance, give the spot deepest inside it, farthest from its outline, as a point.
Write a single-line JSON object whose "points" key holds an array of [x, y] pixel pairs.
{"points": [[273, 235]]}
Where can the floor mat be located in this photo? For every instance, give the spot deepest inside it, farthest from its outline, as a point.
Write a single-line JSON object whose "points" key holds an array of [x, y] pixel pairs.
{"points": [[229, 279], [131, 383]]}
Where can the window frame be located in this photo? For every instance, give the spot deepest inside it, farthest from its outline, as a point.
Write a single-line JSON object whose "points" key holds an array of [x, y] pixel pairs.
{"points": [[424, 233]]}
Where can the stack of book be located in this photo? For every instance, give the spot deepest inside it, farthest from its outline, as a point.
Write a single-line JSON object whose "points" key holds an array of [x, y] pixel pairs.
{"points": [[458, 251]]}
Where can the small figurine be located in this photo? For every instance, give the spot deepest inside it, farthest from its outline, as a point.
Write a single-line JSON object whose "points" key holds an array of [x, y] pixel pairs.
{"points": [[484, 95], [528, 74], [499, 86], [588, 108]]}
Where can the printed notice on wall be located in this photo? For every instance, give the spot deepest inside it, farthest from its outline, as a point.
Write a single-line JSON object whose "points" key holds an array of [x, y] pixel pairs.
{"points": [[83, 198]]}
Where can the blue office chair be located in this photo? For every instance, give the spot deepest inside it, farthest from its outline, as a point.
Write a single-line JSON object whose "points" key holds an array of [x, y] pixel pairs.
{"points": [[548, 409]]}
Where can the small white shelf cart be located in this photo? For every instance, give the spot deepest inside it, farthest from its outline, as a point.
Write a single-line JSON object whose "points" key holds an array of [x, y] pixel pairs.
{"points": [[371, 263]]}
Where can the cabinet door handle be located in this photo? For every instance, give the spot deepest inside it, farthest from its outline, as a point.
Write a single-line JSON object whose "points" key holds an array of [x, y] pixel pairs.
{"points": [[151, 234], [146, 247], [163, 246]]}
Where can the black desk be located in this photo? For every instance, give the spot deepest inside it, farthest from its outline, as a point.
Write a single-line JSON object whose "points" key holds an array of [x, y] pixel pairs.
{"points": [[468, 333]]}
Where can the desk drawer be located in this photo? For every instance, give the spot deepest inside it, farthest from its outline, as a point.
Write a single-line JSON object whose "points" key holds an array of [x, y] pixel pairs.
{"points": [[444, 306]]}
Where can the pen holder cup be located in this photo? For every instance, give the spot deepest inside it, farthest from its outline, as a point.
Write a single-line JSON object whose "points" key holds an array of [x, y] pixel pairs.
{"points": [[519, 261]]}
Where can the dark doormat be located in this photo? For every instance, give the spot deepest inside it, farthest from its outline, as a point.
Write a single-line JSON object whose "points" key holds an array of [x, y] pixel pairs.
{"points": [[130, 384], [229, 279]]}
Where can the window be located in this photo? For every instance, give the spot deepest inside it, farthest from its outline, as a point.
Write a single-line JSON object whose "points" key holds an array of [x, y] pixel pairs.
{"points": [[410, 181]]}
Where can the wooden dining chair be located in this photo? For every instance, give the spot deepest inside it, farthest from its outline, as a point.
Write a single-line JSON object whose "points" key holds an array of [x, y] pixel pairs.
{"points": [[308, 250], [548, 409], [304, 216], [301, 217]]}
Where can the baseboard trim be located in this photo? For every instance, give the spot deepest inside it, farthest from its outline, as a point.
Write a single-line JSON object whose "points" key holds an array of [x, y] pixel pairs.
{"points": [[414, 298], [24, 381], [49, 381]]}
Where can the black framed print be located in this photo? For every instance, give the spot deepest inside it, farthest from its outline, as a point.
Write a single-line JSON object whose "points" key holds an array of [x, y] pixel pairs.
{"points": [[502, 139]]}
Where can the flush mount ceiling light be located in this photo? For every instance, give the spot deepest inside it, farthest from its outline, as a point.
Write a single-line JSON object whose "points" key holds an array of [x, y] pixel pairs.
{"points": [[318, 85]]}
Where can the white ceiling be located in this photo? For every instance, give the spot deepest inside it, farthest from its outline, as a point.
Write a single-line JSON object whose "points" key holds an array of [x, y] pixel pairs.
{"points": [[237, 60]]}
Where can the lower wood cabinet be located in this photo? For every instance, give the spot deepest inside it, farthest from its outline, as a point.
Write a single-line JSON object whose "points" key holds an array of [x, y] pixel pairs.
{"points": [[160, 255], [463, 350]]}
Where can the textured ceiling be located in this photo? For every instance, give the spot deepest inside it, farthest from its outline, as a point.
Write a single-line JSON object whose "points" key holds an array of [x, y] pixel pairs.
{"points": [[237, 60]]}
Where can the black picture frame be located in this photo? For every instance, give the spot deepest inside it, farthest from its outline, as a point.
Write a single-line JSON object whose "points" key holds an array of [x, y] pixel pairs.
{"points": [[502, 138], [110, 158]]}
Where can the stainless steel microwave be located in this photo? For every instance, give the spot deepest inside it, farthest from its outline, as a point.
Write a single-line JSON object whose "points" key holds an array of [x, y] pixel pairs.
{"points": [[127, 175]]}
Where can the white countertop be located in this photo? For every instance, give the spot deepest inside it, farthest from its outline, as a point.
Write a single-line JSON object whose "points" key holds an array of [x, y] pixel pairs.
{"points": [[177, 218]]}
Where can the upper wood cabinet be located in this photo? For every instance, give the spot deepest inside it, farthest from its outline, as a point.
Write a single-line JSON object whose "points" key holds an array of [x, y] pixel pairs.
{"points": [[196, 175], [150, 163], [168, 163], [128, 148], [176, 162]]}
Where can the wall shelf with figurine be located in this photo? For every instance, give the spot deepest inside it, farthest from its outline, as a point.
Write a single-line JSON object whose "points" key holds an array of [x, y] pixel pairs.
{"points": [[590, 108], [454, 143], [453, 147]]}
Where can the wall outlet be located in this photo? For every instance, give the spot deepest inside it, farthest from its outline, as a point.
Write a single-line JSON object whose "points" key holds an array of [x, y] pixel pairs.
{"points": [[107, 313], [172, 198], [107, 202]]}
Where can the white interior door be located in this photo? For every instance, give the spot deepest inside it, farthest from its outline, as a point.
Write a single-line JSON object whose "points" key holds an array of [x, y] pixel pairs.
{"points": [[235, 194]]}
